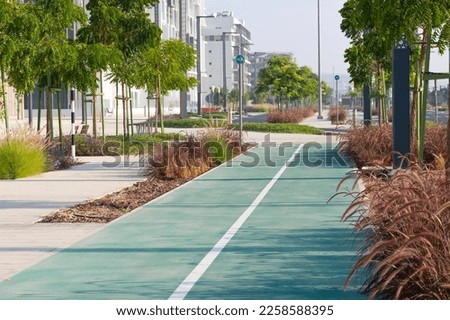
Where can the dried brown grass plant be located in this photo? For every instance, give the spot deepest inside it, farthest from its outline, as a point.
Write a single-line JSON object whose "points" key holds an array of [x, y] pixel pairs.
{"points": [[286, 116], [196, 154], [333, 115], [405, 222], [372, 146]]}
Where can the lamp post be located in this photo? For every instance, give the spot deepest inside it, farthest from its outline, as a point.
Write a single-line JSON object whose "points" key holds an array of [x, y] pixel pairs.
{"points": [[225, 86], [240, 60], [319, 116], [199, 64]]}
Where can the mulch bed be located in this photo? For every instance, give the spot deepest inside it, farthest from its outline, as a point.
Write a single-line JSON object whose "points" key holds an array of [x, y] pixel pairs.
{"points": [[114, 205]]}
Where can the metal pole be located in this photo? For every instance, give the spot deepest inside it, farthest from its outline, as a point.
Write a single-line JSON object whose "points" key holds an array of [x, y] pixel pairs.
{"points": [[366, 98], [241, 89], [199, 70], [30, 110], [224, 85], [337, 101], [400, 103], [72, 118], [240, 104], [436, 115], [319, 116], [183, 93]]}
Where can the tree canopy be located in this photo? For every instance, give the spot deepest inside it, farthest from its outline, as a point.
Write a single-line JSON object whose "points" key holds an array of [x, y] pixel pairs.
{"points": [[167, 63], [284, 79], [375, 27]]}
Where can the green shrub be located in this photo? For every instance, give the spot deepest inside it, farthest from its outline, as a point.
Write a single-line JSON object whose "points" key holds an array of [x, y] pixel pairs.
{"points": [[257, 109], [280, 128], [184, 123], [22, 154], [215, 115], [217, 149]]}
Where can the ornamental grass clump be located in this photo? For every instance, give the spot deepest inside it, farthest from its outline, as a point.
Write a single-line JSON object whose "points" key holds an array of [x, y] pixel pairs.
{"points": [[372, 146], [333, 115], [369, 146], [178, 159], [286, 116], [405, 223], [196, 154], [23, 153]]}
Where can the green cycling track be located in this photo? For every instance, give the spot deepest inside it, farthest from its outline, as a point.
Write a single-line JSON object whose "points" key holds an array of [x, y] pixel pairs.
{"points": [[259, 227]]}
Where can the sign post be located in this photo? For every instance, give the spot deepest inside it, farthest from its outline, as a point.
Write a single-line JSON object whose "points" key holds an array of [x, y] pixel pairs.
{"points": [[240, 61], [336, 77]]}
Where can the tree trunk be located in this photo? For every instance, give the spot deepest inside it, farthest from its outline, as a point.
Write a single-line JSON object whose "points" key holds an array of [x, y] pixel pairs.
{"points": [[423, 105], [416, 96], [124, 108], [94, 113], [58, 97], [117, 108], [102, 107], [447, 161], [5, 106], [381, 115], [160, 109], [39, 109], [49, 107], [131, 111]]}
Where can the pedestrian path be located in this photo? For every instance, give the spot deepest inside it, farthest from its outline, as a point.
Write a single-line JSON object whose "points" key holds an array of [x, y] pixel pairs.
{"points": [[23, 202], [265, 227]]}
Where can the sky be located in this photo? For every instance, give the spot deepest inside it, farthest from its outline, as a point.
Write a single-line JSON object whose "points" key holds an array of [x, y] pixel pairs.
{"points": [[291, 25]]}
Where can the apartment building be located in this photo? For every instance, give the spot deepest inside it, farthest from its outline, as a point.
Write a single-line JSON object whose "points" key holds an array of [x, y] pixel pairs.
{"points": [[225, 37], [177, 20]]}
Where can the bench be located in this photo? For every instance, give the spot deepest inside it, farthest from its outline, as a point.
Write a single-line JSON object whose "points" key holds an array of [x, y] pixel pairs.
{"points": [[143, 127]]}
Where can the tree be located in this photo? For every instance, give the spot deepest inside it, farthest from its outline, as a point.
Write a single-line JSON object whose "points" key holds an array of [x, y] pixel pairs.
{"points": [[307, 86], [327, 93], [130, 31], [369, 56], [7, 47], [233, 97], [376, 26], [55, 54], [101, 53], [163, 68], [19, 34], [284, 79]]}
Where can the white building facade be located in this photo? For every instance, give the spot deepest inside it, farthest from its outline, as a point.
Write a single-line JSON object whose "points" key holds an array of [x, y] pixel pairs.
{"points": [[225, 37], [176, 18]]}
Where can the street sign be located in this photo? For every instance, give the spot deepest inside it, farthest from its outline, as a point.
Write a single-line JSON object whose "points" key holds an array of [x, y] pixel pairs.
{"points": [[240, 59], [336, 77]]}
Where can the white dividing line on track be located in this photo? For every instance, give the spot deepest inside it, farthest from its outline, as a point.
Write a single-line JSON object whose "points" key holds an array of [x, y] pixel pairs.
{"points": [[183, 289]]}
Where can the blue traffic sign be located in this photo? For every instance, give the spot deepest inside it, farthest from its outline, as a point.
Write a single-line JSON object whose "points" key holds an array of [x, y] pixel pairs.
{"points": [[240, 59], [336, 77]]}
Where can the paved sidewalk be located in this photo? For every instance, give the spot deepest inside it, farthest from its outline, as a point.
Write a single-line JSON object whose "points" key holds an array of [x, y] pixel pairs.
{"points": [[23, 242]]}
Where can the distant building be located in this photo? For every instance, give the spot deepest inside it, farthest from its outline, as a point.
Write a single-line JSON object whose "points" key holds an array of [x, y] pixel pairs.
{"points": [[225, 29]]}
